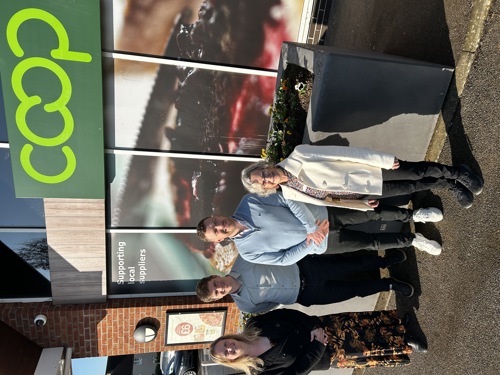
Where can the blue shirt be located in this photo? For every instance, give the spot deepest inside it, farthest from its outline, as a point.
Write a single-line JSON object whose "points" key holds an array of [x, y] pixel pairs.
{"points": [[278, 228], [263, 287]]}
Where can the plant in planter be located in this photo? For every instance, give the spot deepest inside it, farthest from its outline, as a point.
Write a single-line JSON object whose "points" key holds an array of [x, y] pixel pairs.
{"points": [[288, 113]]}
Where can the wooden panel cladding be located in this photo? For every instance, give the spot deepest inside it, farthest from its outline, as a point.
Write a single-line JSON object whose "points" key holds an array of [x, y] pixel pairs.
{"points": [[76, 235]]}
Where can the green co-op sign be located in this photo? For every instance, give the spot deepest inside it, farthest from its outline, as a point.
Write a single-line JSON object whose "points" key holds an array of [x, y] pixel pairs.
{"points": [[50, 61]]}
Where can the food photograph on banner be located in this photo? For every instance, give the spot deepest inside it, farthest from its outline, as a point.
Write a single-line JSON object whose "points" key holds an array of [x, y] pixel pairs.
{"points": [[194, 327], [162, 104], [176, 192], [188, 90]]}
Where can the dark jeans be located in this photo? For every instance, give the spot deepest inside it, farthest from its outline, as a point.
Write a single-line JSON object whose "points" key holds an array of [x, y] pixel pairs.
{"points": [[342, 240], [341, 217], [328, 278], [411, 177]]}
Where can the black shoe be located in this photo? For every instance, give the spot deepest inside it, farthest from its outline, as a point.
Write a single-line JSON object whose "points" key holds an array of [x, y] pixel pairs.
{"points": [[405, 289], [463, 195], [471, 181], [417, 346], [394, 257]]}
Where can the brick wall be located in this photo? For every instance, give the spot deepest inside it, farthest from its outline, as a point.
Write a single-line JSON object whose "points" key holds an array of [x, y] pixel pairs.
{"points": [[105, 329]]}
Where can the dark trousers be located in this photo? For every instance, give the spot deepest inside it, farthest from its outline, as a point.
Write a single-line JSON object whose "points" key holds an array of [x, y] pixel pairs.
{"points": [[342, 240], [411, 177], [332, 278]]}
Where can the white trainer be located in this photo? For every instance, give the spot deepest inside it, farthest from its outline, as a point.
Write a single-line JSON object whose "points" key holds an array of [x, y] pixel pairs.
{"points": [[424, 244], [427, 215]]}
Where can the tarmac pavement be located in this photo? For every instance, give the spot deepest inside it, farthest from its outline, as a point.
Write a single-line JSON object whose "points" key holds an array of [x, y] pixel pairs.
{"points": [[457, 309], [456, 305]]}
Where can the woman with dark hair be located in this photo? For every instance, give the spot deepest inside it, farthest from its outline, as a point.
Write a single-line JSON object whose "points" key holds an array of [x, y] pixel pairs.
{"points": [[287, 341], [355, 178]]}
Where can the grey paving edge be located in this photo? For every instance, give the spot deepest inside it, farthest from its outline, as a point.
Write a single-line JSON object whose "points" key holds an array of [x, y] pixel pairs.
{"points": [[479, 14]]}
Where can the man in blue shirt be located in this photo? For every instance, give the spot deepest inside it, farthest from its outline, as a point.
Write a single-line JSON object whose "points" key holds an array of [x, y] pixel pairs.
{"points": [[314, 280], [278, 231]]}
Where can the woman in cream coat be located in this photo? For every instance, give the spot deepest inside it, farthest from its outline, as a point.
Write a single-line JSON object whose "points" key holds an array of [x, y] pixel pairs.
{"points": [[355, 178]]}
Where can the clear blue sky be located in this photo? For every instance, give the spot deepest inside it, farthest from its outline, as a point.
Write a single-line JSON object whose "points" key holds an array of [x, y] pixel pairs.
{"points": [[89, 366]]}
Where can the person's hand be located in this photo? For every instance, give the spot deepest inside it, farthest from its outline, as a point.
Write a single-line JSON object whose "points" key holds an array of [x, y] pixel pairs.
{"points": [[396, 164], [319, 234], [373, 203], [320, 335]]}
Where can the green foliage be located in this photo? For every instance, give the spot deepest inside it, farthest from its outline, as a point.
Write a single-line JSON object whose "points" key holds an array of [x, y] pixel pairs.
{"points": [[283, 133], [287, 115]]}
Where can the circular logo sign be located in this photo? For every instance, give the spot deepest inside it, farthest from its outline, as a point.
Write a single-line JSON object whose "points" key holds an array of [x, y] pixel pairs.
{"points": [[184, 329]]}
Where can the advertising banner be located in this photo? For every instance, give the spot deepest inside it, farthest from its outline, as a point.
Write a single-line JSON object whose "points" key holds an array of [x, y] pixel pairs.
{"points": [[164, 262], [159, 192], [162, 113], [170, 192], [195, 109], [50, 61]]}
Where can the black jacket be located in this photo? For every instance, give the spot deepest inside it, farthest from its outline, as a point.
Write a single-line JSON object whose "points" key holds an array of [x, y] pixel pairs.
{"points": [[293, 352]]}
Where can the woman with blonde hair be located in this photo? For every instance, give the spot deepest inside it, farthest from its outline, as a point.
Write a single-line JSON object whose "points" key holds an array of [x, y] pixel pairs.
{"points": [[355, 178], [287, 341]]}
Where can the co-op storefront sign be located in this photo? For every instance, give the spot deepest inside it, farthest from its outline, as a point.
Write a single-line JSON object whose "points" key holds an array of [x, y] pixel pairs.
{"points": [[50, 61]]}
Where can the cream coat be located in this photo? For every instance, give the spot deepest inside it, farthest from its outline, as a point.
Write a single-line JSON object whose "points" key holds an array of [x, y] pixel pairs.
{"points": [[337, 169]]}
